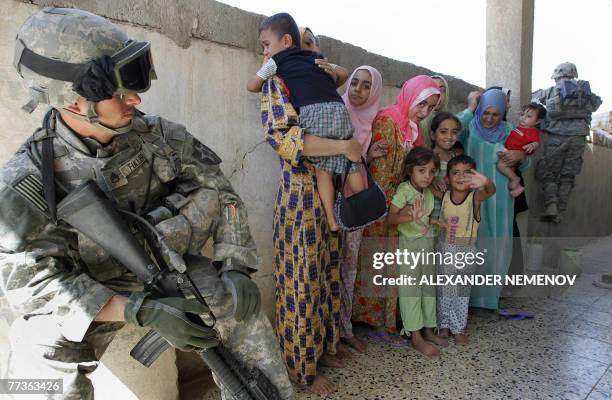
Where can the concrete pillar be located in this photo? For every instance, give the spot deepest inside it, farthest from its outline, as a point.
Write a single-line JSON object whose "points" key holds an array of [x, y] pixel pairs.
{"points": [[510, 49]]}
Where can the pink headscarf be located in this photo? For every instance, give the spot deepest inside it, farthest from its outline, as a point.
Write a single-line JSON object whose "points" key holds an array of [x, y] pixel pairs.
{"points": [[412, 93], [362, 116]]}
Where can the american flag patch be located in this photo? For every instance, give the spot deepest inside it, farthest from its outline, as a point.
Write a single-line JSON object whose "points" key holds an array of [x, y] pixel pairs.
{"points": [[31, 188]]}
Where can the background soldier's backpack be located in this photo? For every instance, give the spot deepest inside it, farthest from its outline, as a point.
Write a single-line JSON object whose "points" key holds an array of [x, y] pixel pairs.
{"points": [[571, 99]]}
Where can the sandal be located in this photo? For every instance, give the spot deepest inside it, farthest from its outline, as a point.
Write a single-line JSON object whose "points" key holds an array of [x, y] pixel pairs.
{"points": [[515, 314], [394, 340], [376, 335]]}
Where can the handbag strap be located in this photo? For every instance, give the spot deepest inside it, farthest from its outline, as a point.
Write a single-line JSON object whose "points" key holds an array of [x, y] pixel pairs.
{"points": [[348, 167]]}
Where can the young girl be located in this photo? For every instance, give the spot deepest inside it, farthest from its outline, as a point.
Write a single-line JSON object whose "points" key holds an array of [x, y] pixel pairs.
{"points": [[444, 129], [460, 213], [410, 209], [313, 92]]}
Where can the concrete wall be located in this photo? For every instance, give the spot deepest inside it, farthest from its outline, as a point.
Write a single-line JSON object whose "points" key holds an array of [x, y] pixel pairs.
{"points": [[204, 52]]}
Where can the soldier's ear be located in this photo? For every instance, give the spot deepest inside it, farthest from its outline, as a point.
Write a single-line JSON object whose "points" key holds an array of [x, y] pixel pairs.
{"points": [[79, 106]]}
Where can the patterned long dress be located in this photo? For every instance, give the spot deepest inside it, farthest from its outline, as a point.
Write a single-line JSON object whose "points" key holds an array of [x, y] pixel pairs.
{"points": [[377, 305], [306, 254], [496, 214]]}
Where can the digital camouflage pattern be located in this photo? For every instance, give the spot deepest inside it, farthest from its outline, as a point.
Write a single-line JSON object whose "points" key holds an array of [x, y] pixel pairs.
{"points": [[565, 70], [560, 164], [567, 124], [59, 279], [83, 37]]}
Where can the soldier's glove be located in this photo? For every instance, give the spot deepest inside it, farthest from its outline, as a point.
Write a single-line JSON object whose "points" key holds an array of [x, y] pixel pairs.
{"points": [[171, 318], [245, 294]]}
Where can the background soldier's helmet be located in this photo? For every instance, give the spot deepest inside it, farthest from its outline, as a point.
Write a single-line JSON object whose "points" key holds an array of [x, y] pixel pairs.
{"points": [[565, 70], [62, 53]]}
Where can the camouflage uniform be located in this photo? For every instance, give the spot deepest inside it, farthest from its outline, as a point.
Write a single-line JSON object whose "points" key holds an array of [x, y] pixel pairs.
{"points": [[58, 279], [567, 124]]}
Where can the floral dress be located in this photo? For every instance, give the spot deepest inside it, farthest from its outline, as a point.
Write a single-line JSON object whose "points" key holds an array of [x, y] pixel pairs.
{"points": [[377, 305], [306, 253]]}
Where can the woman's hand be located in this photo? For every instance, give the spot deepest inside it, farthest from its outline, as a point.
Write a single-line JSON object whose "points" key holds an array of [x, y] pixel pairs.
{"points": [[327, 67], [513, 157], [472, 100], [378, 149], [352, 150]]}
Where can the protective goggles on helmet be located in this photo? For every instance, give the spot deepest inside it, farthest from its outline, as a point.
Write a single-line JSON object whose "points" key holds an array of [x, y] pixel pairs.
{"points": [[130, 70], [133, 68]]}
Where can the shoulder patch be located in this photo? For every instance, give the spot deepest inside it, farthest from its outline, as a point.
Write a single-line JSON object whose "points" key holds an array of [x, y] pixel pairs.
{"points": [[204, 154], [31, 188]]}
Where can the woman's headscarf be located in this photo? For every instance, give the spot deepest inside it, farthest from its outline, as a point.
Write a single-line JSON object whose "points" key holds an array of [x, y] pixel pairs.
{"points": [[363, 115], [491, 98], [425, 124], [303, 30], [506, 91], [412, 93]]}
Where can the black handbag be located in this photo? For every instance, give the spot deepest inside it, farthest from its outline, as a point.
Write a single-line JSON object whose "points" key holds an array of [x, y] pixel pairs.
{"points": [[363, 208]]}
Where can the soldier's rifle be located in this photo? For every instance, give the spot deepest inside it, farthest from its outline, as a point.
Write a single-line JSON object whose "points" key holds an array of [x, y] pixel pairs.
{"points": [[89, 210]]}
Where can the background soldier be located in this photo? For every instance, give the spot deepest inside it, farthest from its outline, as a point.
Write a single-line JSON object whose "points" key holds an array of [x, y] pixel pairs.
{"points": [[569, 105], [71, 295]]}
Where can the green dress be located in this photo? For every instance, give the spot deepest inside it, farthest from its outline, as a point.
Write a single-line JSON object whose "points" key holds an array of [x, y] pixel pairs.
{"points": [[417, 303]]}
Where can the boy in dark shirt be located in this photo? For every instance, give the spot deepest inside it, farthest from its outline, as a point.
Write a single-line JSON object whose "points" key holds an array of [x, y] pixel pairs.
{"points": [[313, 93]]}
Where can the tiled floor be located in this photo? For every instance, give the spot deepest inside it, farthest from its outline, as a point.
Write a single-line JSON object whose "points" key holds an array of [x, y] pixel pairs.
{"points": [[565, 352]]}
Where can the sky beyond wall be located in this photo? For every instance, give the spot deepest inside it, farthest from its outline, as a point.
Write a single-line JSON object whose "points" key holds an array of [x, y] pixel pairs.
{"points": [[448, 36]]}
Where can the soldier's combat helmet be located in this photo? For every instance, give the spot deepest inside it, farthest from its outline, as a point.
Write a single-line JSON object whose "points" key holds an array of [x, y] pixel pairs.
{"points": [[64, 53], [565, 70]]}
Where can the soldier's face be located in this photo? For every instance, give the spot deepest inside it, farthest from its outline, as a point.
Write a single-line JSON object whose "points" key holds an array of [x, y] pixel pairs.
{"points": [[114, 113], [118, 111]]}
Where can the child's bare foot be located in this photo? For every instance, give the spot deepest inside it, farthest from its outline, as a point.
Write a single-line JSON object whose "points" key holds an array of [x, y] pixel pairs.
{"points": [[321, 386], [444, 333], [514, 183], [426, 348], [332, 361], [343, 351], [333, 226], [430, 336], [516, 192], [461, 339], [356, 343], [422, 346]]}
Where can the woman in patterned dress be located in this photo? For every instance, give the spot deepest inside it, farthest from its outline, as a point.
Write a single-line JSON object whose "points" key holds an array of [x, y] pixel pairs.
{"points": [[362, 99], [394, 132], [306, 253]]}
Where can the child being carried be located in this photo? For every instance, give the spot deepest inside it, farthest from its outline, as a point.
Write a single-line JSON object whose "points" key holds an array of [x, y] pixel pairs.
{"points": [[312, 91], [526, 137]]}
